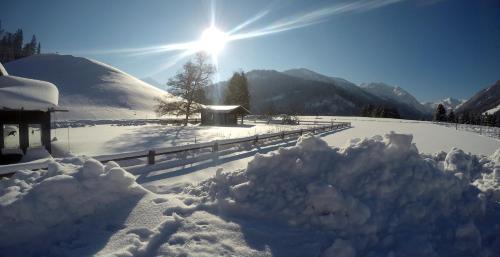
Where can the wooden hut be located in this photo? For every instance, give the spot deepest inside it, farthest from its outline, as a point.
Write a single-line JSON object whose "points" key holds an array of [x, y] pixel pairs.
{"points": [[25, 107], [222, 114]]}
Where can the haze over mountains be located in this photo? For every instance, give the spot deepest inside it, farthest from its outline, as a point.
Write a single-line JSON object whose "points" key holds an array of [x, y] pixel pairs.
{"points": [[93, 90]]}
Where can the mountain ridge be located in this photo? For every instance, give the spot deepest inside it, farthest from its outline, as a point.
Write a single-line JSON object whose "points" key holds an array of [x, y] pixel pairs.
{"points": [[484, 100], [317, 93]]}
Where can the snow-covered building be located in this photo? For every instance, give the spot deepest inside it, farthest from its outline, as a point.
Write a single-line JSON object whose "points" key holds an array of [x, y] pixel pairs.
{"points": [[222, 114], [25, 107]]}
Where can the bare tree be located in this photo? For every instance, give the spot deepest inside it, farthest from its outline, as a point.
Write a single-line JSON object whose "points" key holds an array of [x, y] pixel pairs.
{"points": [[188, 84]]}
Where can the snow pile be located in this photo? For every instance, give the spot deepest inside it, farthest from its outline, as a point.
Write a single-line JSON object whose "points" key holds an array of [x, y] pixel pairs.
{"points": [[378, 196], [36, 205], [489, 181]]}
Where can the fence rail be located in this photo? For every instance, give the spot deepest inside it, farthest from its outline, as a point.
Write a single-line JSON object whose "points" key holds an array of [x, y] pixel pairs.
{"points": [[213, 146], [488, 131]]}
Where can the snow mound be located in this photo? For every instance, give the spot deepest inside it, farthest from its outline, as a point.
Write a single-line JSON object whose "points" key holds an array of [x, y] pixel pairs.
{"points": [[34, 204], [377, 195], [90, 89]]}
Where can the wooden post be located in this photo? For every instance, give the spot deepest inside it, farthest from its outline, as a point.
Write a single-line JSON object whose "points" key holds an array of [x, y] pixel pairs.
{"points": [[45, 133], [151, 157], [215, 147], [256, 140], [282, 135], [1, 136], [23, 136], [301, 132]]}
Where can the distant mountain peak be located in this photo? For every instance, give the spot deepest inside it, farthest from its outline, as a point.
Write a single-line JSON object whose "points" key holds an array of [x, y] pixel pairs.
{"points": [[394, 93]]}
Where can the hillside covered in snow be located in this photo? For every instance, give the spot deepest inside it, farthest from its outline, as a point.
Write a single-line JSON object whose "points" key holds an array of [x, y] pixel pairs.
{"points": [[486, 100], [396, 94], [90, 89]]}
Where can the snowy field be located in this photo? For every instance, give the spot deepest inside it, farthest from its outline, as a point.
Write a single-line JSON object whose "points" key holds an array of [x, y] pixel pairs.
{"points": [[110, 139], [384, 194], [428, 137]]}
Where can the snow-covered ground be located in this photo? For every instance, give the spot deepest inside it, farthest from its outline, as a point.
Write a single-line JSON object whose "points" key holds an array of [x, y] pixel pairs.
{"points": [[110, 139], [373, 197], [384, 194], [428, 137]]}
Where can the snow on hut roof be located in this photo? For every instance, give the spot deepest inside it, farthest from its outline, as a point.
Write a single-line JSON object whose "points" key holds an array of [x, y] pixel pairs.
{"points": [[3, 72], [225, 108], [28, 94]]}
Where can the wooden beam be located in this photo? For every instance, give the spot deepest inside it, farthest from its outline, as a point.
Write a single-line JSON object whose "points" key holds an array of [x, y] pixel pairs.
{"points": [[24, 136]]}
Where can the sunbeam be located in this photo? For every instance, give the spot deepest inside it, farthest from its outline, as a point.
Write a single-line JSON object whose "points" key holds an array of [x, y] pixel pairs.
{"points": [[255, 18], [213, 40], [313, 17]]}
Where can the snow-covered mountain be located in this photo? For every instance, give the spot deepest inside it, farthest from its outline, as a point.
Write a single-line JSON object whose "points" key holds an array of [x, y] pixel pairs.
{"points": [[90, 89], [307, 92], [395, 94], [486, 100], [153, 82], [403, 101], [311, 75], [339, 82], [449, 103], [274, 91]]}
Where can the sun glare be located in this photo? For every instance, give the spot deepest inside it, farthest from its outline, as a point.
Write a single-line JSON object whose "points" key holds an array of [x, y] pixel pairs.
{"points": [[213, 40]]}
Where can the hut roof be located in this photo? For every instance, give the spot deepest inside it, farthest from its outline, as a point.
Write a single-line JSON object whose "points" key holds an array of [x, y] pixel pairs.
{"points": [[26, 94], [226, 109]]}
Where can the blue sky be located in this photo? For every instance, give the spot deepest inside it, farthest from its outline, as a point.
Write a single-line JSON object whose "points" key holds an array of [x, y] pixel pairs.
{"points": [[431, 48]]}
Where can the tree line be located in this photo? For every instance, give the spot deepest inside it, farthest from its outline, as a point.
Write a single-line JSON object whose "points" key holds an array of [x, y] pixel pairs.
{"points": [[483, 119], [12, 46], [189, 84], [379, 111]]}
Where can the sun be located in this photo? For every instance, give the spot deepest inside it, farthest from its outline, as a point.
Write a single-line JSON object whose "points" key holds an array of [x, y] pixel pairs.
{"points": [[213, 40]]}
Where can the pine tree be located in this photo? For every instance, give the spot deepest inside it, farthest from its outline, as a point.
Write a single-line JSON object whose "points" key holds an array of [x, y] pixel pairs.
{"points": [[237, 91], [440, 114], [18, 44], [451, 117], [464, 118], [12, 46], [30, 48]]}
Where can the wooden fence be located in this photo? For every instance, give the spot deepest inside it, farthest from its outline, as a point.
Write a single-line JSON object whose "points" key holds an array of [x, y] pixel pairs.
{"points": [[213, 146]]}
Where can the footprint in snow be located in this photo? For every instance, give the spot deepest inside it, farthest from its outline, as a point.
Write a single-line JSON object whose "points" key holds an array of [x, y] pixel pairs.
{"points": [[160, 200], [143, 233]]}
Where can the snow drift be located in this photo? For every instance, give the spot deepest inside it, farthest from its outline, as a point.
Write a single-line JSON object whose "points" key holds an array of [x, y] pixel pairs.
{"points": [[378, 196], [36, 205], [375, 197], [90, 89]]}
